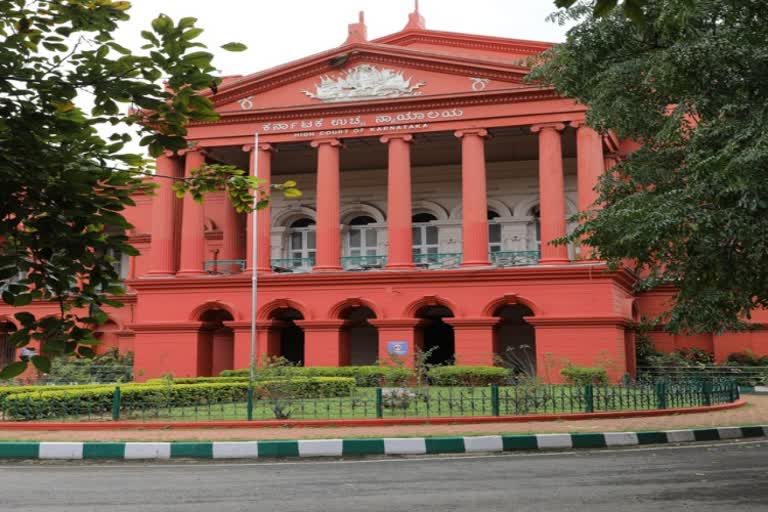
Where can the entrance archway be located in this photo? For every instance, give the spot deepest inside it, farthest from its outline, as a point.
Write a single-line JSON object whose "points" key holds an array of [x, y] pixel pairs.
{"points": [[7, 349], [215, 343], [515, 339], [360, 336], [291, 335], [436, 336]]}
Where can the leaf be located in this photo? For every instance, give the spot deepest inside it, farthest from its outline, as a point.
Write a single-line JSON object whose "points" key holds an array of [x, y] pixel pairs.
{"points": [[42, 363], [121, 6], [191, 34], [13, 370], [292, 193], [289, 184], [25, 318], [234, 47], [162, 24], [603, 7]]}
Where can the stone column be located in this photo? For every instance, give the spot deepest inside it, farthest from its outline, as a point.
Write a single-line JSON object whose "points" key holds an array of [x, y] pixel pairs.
{"points": [[262, 157], [328, 205], [400, 330], [474, 201], [551, 192], [473, 340], [399, 199], [323, 344], [163, 252], [192, 225], [589, 168], [233, 246]]}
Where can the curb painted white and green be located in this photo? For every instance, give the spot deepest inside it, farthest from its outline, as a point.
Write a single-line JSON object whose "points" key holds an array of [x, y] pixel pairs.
{"points": [[363, 447], [757, 390]]}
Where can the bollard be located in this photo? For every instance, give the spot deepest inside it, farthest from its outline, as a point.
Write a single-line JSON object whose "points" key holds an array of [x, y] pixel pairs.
{"points": [[250, 403], [116, 399], [495, 400], [379, 403], [589, 398]]}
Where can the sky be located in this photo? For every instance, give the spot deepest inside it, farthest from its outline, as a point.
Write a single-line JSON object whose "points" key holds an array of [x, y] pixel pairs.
{"points": [[279, 31]]}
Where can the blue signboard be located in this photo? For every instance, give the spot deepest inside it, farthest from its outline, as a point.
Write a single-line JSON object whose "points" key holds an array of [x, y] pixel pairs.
{"points": [[397, 348]]}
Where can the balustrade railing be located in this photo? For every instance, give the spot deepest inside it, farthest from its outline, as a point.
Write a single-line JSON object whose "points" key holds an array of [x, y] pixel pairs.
{"points": [[358, 263], [295, 265], [225, 267], [514, 258], [438, 260]]}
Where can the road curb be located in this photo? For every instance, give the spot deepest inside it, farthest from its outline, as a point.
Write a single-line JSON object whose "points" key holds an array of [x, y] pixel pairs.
{"points": [[754, 390], [361, 447]]}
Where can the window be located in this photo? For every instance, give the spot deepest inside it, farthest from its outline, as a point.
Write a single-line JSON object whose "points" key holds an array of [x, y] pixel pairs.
{"points": [[494, 232], [362, 239], [425, 239], [302, 242], [534, 229]]}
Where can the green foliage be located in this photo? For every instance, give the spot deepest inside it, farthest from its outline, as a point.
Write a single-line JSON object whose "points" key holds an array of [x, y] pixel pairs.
{"points": [[468, 375], [747, 358], [81, 400], [682, 358], [63, 185], [109, 367], [632, 9], [583, 375], [689, 207], [365, 376]]}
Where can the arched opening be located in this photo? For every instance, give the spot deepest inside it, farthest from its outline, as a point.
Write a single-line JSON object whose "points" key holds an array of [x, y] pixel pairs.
{"points": [[425, 237], [361, 338], [291, 336], [362, 237], [215, 343], [534, 229], [436, 337], [7, 349], [515, 339]]}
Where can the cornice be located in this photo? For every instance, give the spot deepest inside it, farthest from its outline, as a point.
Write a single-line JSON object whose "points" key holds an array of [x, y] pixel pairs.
{"points": [[495, 97], [465, 41], [579, 321], [158, 327], [520, 274]]}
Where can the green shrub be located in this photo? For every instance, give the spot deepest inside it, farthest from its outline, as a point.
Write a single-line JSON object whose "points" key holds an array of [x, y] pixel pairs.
{"points": [[365, 376], [747, 358], [467, 375], [43, 404], [196, 380], [583, 375]]}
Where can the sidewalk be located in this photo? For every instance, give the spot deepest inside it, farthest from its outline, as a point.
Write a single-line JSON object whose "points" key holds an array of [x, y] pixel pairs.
{"points": [[754, 413]]}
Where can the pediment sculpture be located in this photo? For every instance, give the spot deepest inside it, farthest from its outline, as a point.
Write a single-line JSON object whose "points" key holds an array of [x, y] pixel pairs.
{"points": [[364, 82]]}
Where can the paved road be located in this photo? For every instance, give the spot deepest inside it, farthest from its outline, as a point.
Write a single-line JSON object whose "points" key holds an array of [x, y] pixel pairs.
{"points": [[729, 477]]}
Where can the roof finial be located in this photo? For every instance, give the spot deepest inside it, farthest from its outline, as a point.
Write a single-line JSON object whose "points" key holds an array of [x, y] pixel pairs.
{"points": [[358, 32], [415, 19]]}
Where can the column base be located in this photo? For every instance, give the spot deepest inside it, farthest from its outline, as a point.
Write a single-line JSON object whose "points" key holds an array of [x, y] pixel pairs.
{"points": [[475, 264], [554, 261], [191, 273], [327, 269], [400, 266]]}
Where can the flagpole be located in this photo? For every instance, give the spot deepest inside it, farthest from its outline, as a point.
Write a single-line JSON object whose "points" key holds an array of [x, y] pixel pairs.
{"points": [[254, 261]]}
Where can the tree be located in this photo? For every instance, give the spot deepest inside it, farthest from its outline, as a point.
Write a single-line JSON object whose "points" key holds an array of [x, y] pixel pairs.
{"points": [[63, 186], [690, 206]]}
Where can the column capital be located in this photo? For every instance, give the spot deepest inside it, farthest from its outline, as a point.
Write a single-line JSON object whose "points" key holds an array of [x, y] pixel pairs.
{"points": [[480, 132], [320, 142], [196, 149], [263, 146], [407, 137], [581, 123], [536, 128]]}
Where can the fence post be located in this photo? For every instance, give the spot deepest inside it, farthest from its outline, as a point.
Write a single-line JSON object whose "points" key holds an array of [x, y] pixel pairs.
{"points": [[249, 405], [379, 403], [589, 398], [661, 395], [707, 387], [116, 399], [495, 400]]}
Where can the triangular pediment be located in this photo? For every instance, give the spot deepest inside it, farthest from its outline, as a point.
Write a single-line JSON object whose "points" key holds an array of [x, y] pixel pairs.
{"points": [[365, 72]]}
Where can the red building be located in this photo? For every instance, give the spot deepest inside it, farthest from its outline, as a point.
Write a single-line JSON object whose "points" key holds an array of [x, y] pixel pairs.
{"points": [[434, 179]]}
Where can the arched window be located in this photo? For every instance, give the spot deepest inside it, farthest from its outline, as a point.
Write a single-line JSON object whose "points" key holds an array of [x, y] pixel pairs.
{"points": [[494, 232], [362, 238], [302, 242], [534, 229], [425, 240]]}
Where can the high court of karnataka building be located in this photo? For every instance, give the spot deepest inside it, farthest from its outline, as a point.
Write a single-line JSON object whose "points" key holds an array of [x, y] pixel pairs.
{"points": [[434, 179]]}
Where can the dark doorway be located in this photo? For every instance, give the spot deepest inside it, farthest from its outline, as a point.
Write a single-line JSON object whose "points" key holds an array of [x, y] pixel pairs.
{"points": [[515, 339], [437, 337], [291, 335], [360, 336]]}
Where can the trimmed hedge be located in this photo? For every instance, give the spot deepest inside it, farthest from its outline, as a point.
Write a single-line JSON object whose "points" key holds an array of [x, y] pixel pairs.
{"points": [[583, 375], [38, 405], [467, 375], [365, 376], [197, 380]]}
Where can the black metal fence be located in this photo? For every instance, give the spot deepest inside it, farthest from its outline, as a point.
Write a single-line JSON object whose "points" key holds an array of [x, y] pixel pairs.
{"points": [[371, 403]]}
